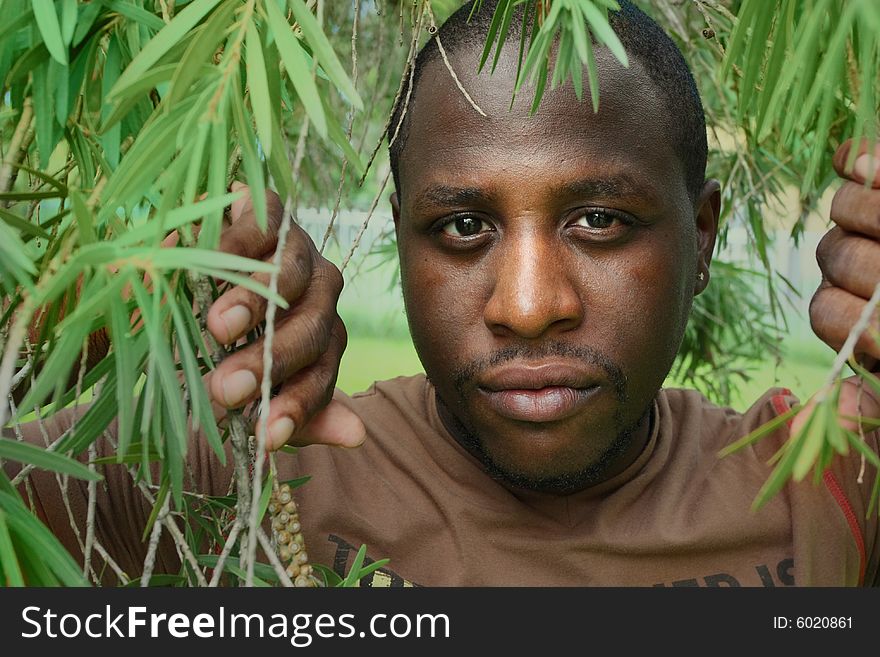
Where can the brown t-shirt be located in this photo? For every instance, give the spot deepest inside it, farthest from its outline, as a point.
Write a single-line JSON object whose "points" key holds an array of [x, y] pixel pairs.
{"points": [[678, 516]]}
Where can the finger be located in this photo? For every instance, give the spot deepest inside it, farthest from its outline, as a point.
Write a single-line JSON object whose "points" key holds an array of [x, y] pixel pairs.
{"points": [[850, 261], [857, 209], [335, 425], [245, 237], [853, 403], [834, 312], [239, 310], [303, 397], [866, 165], [300, 339]]}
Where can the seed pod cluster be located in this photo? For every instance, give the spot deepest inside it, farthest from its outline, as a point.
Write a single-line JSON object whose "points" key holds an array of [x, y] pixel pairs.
{"points": [[289, 540]]}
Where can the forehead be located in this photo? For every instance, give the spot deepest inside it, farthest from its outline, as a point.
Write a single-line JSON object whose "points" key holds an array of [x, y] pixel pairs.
{"points": [[449, 142]]}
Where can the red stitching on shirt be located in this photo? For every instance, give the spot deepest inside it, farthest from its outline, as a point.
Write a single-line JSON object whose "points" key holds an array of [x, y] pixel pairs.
{"points": [[836, 491], [833, 486]]}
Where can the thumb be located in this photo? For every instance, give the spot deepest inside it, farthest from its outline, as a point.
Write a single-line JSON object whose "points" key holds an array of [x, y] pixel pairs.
{"points": [[335, 425], [852, 404]]}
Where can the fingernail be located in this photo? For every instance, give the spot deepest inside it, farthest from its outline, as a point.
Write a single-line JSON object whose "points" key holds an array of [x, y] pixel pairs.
{"points": [[864, 168], [236, 320], [280, 432], [238, 386]]}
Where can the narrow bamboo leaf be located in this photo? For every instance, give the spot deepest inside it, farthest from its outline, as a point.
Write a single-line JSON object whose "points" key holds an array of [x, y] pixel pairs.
{"points": [[137, 14], [127, 368], [338, 137], [198, 397], [738, 39], [209, 237], [58, 366], [94, 421], [502, 34], [10, 571], [298, 69], [111, 137], [41, 542], [331, 579], [88, 13], [83, 216], [263, 573], [815, 432], [200, 258], [177, 218], [259, 89], [68, 20], [166, 39], [122, 99], [782, 472], [199, 52], [870, 455], [161, 494], [14, 221], [253, 166], [245, 282], [22, 452], [501, 11], [44, 111], [50, 30], [598, 20], [324, 53], [352, 577]]}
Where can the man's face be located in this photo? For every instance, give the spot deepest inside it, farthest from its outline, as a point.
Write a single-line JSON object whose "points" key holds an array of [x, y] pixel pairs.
{"points": [[548, 265]]}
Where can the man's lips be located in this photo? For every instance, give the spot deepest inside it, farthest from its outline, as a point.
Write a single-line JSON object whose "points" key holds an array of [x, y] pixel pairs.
{"points": [[545, 392]]}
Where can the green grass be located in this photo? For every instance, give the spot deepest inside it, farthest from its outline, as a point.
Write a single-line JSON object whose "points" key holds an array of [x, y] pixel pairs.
{"points": [[803, 370]]}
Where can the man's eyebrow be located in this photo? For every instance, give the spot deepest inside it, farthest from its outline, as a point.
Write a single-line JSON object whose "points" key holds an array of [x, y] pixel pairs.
{"points": [[448, 196], [617, 186]]}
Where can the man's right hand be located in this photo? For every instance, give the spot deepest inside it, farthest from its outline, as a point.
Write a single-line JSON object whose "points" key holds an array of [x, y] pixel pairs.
{"points": [[309, 336]]}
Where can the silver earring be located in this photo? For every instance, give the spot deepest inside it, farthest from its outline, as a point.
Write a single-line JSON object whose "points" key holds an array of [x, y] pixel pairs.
{"points": [[701, 276]]}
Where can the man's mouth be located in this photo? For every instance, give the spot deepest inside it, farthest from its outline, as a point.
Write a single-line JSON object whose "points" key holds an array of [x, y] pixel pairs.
{"points": [[542, 392]]}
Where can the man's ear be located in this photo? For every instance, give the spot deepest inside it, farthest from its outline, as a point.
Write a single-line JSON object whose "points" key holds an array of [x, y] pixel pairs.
{"points": [[395, 211], [708, 209]]}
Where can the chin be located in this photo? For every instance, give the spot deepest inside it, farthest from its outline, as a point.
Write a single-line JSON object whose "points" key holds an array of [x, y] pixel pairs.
{"points": [[549, 461]]}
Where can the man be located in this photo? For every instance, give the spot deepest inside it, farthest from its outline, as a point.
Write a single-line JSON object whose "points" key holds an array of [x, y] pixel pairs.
{"points": [[548, 266]]}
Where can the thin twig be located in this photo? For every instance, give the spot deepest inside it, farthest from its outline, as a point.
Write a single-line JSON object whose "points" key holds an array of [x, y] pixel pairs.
{"points": [[448, 64], [225, 552], [363, 229], [18, 148], [849, 346], [405, 82], [266, 544], [152, 547], [354, 81]]}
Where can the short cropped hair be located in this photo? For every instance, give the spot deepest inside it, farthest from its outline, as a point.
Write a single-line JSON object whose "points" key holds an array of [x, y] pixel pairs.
{"points": [[642, 38]]}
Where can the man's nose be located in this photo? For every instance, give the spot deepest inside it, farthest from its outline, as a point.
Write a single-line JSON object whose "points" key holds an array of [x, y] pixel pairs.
{"points": [[533, 294]]}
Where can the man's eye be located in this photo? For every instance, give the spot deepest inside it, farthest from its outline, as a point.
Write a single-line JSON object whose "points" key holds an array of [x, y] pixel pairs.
{"points": [[595, 219], [465, 226]]}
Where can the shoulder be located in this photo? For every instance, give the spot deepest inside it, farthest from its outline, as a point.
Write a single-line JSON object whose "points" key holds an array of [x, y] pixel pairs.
{"points": [[691, 413]]}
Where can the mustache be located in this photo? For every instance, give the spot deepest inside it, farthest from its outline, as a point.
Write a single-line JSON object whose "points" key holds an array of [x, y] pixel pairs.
{"points": [[464, 375]]}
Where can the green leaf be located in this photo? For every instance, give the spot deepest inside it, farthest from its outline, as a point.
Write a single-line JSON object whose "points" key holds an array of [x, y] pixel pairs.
{"points": [[324, 53], [22, 452], [14, 221], [50, 29], [259, 88], [815, 431], [166, 39], [68, 20], [39, 541], [137, 14], [253, 165], [598, 20], [10, 571], [298, 69]]}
